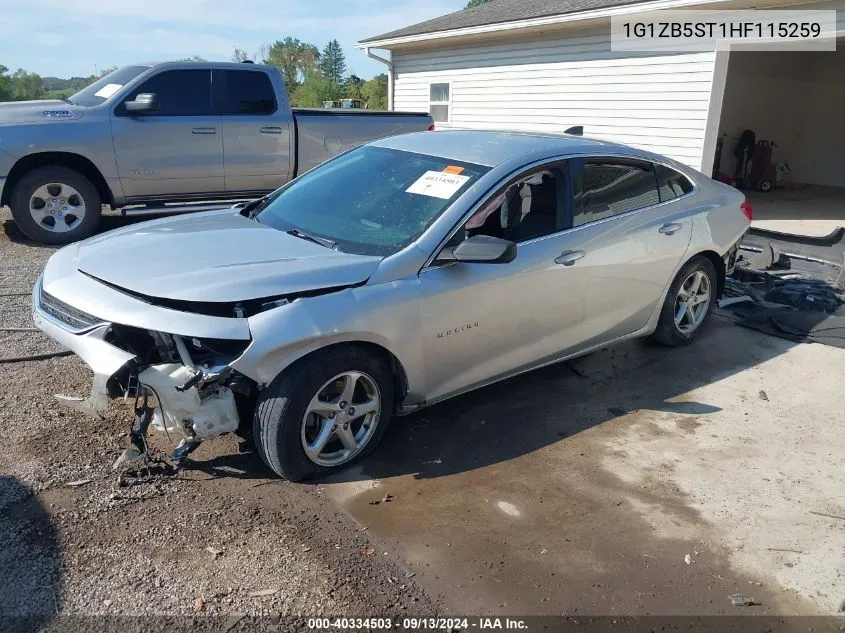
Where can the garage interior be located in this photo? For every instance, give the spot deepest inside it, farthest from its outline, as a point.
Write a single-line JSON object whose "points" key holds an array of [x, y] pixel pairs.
{"points": [[794, 100]]}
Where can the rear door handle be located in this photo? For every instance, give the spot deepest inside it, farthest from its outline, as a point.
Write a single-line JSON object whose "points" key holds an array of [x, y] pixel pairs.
{"points": [[567, 258], [669, 228], [203, 130], [271, 130]]}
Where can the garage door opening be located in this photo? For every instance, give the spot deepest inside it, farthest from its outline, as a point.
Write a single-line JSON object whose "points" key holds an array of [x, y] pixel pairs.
{"points": [[791, 100]]}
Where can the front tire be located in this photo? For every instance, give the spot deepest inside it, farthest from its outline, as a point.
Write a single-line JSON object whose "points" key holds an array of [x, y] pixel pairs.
{"points": [[324, 413], [55, 205], [688, 303]]}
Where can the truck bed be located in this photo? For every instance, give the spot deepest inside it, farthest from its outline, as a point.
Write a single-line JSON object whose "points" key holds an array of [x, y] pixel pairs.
{"points": [[321, 132]]}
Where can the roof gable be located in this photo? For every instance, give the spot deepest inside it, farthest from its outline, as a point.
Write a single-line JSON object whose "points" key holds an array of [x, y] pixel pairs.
{"points": [[501, 11]]}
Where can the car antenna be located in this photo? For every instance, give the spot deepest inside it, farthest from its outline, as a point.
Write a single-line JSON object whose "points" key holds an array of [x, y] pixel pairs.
{"points": [[577, 130]]}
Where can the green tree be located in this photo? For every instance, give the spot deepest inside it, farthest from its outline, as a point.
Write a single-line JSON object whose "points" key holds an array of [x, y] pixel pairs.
{"points": [[475, 3], [333, 62], [27, 86], [194, 58], [240, 55], [316, 89], [374, 92], [352, 87], [6, 88], [294, 58]]}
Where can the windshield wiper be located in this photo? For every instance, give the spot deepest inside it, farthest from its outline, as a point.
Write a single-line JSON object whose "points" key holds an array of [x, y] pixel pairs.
{"points": [[322, 241], [253, 207]]}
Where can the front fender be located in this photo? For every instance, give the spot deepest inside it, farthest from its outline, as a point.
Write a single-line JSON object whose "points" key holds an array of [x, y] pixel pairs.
{"points": [[387, 315]]}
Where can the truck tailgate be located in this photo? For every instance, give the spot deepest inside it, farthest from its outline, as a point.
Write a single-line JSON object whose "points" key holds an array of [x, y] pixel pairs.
{"points": [[322, 133]]}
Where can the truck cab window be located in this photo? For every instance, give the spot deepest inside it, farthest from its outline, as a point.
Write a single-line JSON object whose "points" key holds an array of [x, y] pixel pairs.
{"points": [[180, 93], [243, 92]]}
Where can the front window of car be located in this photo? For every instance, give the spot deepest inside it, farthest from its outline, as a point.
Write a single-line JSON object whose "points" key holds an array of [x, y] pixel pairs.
{"points": [[99, 91], [372, 200]]}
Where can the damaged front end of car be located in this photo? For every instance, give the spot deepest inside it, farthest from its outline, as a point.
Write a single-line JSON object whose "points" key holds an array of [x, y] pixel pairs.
{"points": [[181, 385]]}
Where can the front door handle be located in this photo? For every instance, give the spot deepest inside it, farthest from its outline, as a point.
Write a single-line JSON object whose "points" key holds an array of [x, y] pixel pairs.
{"points": [[669, 228], [203, 130], [271, 130], [567, 258]]}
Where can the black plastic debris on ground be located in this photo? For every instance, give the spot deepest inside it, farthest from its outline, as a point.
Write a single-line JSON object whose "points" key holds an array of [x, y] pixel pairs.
{"points": [[795, 289]]}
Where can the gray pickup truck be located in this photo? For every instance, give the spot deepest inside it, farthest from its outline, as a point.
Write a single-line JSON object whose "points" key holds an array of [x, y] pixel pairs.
{"points": [[161, 137]]}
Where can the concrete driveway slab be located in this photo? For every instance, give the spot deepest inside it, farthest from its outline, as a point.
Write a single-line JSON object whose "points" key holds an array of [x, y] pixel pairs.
{"points": [[636, 480]]}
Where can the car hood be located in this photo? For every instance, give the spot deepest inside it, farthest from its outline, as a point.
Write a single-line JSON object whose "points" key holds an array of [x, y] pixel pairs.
{"points": [[39, 111], [217, 257]]}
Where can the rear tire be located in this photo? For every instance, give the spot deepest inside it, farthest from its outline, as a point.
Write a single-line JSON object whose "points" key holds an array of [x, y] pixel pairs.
{"points": [[284, 414], [697, 275], [55, 205]]}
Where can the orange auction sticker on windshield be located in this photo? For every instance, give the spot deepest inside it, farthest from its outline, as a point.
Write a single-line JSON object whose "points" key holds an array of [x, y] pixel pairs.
{"points": [[453, 169]]}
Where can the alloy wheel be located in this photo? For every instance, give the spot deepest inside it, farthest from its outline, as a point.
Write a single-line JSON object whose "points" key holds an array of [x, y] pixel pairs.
{"points": [[57, 207], [341, 418], [692, 302]]}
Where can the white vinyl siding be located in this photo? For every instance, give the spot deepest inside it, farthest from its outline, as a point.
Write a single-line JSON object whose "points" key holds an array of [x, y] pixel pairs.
{"points": [[550, 83]]}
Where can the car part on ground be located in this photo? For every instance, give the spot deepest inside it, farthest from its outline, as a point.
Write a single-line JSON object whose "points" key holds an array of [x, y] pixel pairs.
{"points": [[394, 276], [799, 296]]}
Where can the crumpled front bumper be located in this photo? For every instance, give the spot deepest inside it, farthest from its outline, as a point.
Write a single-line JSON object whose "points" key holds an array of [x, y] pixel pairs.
{"points": [[185, 411], [104, 359]]}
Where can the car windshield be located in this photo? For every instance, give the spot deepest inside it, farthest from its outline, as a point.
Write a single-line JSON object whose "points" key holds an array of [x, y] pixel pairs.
{"points": [[370, 201], [99, 91]]}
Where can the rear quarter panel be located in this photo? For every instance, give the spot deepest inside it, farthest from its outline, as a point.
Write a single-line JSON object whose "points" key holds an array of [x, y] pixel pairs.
{"points": [[720, 222]]}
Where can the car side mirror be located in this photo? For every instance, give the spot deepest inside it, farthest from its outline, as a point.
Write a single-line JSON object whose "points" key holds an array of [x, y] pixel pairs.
{"points": [[144, 103], [481, 249]]}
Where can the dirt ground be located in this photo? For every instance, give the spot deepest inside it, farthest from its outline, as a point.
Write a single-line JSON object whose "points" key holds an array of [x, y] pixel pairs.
{"points": [[224, 538], [637, 480]]}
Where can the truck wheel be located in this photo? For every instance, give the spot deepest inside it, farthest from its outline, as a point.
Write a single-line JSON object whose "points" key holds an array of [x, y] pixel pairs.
{"points": [[55, 205], [688, 304], [323, 414]]}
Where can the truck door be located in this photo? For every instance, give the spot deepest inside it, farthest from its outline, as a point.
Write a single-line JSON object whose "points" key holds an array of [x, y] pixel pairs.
{"points": [[256, 131], [176, 151]]}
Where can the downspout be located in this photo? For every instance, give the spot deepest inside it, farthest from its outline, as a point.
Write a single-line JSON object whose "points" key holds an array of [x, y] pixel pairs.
{"points": [[389, 65]]}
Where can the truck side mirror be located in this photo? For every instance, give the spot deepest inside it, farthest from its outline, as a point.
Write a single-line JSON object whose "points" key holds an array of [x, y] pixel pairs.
{"points": [[144, 103]]}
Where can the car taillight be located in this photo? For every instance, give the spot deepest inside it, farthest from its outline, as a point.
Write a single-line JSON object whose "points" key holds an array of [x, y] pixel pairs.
{"points": [[746, 209], [430, 128]]}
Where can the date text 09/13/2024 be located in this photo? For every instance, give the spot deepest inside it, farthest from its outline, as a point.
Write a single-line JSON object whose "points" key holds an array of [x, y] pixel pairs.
{"points": [[418, 624]]}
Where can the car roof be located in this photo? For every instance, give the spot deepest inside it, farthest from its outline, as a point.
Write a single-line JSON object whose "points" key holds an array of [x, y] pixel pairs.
{"points": [[490, 148], [187, 63]]}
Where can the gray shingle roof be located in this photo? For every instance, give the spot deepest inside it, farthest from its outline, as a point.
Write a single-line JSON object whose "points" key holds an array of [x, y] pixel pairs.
{"points": [[497, 11]]}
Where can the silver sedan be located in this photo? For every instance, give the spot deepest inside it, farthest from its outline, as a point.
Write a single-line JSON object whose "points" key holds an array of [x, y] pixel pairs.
{"points": [[394, 276]]}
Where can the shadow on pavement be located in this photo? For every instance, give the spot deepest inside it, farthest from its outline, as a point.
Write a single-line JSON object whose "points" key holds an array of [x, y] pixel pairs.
{"points": [[30, 560], [523, 414]]}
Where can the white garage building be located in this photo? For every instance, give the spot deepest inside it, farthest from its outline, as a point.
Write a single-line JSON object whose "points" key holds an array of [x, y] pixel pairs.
{"points": [[547, 65]]}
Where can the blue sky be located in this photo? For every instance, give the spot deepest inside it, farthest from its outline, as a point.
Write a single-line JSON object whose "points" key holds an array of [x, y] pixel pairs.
{"points": [[61, 38]]}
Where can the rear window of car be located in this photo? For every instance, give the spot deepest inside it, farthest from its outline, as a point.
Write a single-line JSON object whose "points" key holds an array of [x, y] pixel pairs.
{"points": [[243, 92], [604, 187], [671, 183]]}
